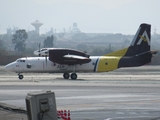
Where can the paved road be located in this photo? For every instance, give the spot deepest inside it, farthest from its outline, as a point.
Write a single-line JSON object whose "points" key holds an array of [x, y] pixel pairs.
{"points": [[122, 94]]}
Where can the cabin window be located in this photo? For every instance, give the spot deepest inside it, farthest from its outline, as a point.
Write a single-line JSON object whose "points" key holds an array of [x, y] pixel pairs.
{"points": [[106, 63]]}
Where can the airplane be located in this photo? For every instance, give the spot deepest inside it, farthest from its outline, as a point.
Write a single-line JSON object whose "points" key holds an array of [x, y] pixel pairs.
{"points": [[70, 61]]}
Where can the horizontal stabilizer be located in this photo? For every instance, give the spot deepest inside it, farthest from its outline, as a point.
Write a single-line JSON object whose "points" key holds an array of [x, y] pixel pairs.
{"points": [[146, 53]]}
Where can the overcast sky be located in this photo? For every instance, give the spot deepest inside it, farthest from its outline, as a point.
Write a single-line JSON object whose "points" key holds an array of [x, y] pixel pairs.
{"points": [[107, 16]]}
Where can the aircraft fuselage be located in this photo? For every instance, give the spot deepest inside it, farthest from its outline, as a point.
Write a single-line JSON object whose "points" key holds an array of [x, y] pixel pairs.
{"points": [[39, 64]]}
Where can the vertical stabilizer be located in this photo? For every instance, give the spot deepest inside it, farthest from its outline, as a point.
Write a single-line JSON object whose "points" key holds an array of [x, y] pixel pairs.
{"points": [[141, 41], [138, 52]]}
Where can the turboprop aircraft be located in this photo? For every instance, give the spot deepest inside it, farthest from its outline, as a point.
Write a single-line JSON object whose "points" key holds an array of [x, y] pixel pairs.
{"points": [[66, 61]]}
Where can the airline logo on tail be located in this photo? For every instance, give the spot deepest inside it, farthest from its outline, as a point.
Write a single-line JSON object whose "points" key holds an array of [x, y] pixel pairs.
{"points": [[144, 38], [142, 35]]}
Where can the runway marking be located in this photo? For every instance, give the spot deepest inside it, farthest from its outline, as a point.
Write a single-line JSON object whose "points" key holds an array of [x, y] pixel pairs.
{"points": [[97, 96], [132, 113], [121, 113], [136, 118]]}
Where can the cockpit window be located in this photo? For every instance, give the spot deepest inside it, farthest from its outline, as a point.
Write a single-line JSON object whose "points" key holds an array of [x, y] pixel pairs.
{"points": [[20, 60]]}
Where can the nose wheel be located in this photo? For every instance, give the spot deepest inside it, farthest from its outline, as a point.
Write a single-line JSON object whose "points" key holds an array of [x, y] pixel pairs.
{"points": [[20, 76]]}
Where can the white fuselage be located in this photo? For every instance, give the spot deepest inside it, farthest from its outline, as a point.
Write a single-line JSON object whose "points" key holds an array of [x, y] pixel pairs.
{"points": [[40, 64]]}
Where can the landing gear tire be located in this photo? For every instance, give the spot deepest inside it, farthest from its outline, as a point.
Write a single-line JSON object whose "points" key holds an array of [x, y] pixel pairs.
{"points": [[73, 76], [66, 75], [20, 77]]}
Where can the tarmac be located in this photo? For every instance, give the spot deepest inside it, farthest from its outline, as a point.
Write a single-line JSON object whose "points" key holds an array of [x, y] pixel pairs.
{"points": [[9, 112], [146, 77]]}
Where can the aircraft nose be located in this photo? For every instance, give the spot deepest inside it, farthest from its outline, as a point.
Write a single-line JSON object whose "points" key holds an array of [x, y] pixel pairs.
{"points": [[8, 67]]}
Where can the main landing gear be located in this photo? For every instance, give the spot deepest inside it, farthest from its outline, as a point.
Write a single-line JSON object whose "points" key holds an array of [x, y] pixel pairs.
{"points": [[20, 76], [73, 75], [67, 75]]}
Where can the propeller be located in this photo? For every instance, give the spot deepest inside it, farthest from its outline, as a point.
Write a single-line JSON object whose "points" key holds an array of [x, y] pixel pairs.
{"points": [[39, 49], [46, 59], [45, 56]]}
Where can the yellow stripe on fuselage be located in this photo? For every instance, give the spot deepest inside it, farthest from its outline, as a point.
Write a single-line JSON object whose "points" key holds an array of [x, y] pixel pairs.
{"points": [[107, 63], [118, 53], [110, 61]]}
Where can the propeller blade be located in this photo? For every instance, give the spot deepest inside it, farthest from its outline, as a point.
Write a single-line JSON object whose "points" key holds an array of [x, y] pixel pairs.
{"points": [[46, 59], [39, 49]]}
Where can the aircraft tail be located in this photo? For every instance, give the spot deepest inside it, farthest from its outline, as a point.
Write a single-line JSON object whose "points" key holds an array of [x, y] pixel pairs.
{"points": [[141, 41], [139, 44], [138, 53]]}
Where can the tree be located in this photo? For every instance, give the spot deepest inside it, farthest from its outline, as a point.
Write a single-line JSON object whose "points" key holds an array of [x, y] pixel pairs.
{"points": [[49, 41], [3, 51], [19, 39], [2, 44]]}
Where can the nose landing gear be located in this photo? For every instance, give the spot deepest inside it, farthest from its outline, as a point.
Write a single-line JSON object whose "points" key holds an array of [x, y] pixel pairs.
{"points": [[20, 76]]}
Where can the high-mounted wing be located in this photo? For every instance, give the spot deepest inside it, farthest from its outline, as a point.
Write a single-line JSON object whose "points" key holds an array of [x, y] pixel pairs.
{"points": [[68, 56]]}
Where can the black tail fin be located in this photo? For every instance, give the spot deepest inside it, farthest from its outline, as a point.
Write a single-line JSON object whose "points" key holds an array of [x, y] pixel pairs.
{"points": [[138, 53], [139, 44], [141, 41]]}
